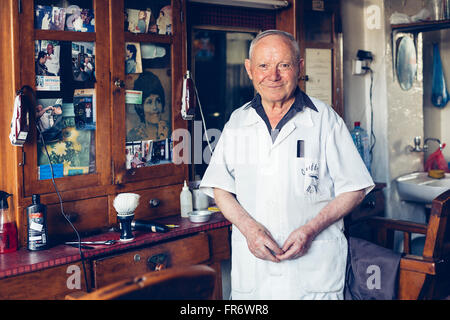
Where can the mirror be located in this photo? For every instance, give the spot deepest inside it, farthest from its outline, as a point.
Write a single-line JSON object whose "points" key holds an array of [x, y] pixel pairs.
{"points": [[406, 65]]}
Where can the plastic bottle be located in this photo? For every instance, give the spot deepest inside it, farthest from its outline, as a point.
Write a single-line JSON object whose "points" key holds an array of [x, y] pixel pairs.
{"points": [[185, 201], [361, 140], [37, 225], [8, 228]]}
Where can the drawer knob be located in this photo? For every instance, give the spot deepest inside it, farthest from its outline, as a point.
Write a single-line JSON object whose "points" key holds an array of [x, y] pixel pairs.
{"points": [[154, 203], [137, 258], [119, 83]]}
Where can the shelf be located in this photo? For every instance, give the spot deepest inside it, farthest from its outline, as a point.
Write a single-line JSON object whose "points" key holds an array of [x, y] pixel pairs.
{"points": [[147, 37], [421, 26], [64, 35]]}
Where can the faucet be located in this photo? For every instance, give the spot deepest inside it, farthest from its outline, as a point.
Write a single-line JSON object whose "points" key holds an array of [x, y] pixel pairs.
{"points": [[417, 147], [425, 145]]}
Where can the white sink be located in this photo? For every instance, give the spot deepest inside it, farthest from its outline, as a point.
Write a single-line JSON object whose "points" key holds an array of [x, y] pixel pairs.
{"points": [[419, 187]]}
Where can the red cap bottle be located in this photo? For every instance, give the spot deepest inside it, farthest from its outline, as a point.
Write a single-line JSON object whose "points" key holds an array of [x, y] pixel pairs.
{"points": [[8, 228]]}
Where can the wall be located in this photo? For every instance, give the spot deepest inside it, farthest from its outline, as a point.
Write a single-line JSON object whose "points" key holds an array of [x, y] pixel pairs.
{"points": [[397, 114], [436, 120]]}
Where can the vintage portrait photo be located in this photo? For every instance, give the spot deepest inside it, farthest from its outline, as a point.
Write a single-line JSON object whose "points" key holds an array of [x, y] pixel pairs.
{"points": [[58, 20], [42, 17], [49, 119], [149, 120], [78, 19], [83, 61], [47, 65], [133, 58], [84, 109], [137, 20], [47, 53]]}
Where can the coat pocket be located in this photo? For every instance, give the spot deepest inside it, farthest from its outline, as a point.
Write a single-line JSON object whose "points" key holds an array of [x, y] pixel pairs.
{"points": [[310, 173], [322, 268], [243, 273]]}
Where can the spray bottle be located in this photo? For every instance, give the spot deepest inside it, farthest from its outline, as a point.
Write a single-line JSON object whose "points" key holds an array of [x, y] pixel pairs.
{"points": [[8, 228]]}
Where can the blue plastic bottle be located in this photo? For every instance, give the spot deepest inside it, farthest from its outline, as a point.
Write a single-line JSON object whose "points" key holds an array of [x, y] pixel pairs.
{"points": [[361, 140]]}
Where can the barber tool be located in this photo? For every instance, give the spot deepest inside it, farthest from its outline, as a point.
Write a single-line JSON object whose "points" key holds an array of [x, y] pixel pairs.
{"points": [[104, 242], [125, 204], [188, 101], [148, 226], [82, 246], [20, 122]]}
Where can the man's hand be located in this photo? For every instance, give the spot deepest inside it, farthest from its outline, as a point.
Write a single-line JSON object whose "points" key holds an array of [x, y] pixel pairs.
{"points": [[259, 239], [299, 241], [297, 244], [260, 242]]}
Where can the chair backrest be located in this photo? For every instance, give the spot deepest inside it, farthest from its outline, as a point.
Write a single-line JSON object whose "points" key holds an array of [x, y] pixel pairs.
{"points": [[437, 242], [176, 283]]}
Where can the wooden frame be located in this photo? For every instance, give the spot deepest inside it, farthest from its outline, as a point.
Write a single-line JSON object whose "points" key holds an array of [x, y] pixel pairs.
{"points": [[426, 276]]}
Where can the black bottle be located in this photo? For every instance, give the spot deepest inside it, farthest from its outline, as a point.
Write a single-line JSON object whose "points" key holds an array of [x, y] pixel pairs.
{"points": [[37, 225]]}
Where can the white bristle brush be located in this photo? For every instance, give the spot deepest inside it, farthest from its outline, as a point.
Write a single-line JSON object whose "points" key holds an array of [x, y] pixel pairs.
{"points": [[126, 203]]}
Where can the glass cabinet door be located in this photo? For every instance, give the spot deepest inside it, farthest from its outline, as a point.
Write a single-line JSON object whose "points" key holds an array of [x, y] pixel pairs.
{"points": [[65, 58], [146, 69]]}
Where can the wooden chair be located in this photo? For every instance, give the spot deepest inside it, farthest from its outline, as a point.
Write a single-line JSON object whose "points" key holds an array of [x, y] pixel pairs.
{"points": [[176, 283], [425, 276]]}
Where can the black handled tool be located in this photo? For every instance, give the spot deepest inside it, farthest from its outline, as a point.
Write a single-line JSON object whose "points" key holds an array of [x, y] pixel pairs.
{"points": [[143, 225]]}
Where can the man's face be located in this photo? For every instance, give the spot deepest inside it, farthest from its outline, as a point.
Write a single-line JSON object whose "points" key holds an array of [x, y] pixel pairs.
{"points": [[273, 69]]}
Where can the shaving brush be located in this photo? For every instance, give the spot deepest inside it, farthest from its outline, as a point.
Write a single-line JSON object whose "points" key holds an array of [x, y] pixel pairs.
{"points": [[125, 204]]}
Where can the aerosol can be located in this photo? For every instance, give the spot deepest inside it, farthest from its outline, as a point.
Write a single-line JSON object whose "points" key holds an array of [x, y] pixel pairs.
{"points": [[8, 228]]}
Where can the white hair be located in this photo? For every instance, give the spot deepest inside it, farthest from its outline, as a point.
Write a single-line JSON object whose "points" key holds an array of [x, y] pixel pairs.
{"points": [[284, 34]]}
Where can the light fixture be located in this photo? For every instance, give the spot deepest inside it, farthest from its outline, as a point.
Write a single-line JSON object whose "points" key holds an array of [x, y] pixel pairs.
{"points": [[262, 4]]}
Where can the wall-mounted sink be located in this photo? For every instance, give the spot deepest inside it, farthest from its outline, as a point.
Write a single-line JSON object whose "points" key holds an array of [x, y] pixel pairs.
{"points": [[419, 187]]}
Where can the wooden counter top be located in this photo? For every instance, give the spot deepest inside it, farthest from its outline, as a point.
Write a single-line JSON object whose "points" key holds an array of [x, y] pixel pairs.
{"points": [[24, 261]]}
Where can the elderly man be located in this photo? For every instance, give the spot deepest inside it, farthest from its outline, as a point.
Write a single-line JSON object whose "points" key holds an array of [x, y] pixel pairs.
{"points": [[285, 172]]}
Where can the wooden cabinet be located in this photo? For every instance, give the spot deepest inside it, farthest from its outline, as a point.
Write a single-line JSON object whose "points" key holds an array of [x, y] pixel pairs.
{"points": [[111, 265], [49, 284], [189, 251], [107, 113]]}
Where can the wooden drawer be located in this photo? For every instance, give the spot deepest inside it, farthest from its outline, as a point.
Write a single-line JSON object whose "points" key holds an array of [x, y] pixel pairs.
{"points": [[187, 251], [153, 203], [86, 215], [48, 284]]}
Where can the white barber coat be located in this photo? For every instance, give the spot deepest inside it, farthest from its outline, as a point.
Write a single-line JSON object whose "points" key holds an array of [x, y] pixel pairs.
{"points": [[283, 191]]}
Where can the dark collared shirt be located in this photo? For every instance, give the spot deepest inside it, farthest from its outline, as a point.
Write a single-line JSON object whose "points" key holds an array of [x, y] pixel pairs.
{"points": [[301, 101]]}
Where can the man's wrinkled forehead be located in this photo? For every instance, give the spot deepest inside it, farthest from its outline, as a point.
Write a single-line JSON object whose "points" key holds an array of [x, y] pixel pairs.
{"points": [[267, 41]]}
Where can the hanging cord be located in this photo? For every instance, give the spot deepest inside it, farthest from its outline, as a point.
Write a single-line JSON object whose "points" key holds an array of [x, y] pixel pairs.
{"points": [[203, 118], [373, 139], [62, 210], [32, 104]]}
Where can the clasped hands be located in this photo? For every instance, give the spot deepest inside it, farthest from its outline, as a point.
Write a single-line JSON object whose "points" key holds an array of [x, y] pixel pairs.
{"points": [[262, 245]]}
